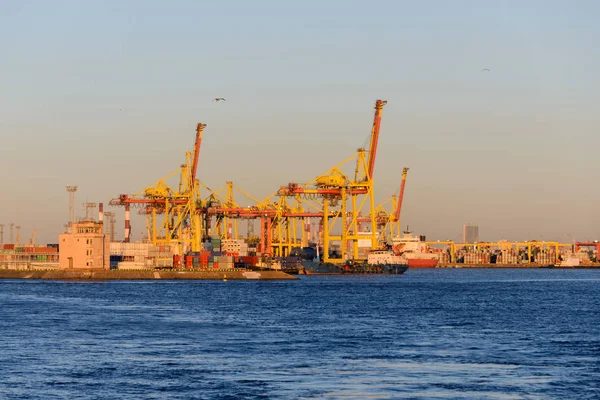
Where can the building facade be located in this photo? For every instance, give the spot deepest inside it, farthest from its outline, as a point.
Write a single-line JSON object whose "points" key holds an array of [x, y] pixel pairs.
{"points": [[87, 247], [471, 233]]}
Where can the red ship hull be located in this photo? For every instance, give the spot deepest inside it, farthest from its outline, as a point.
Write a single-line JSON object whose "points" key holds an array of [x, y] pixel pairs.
{"points": [[422, 262]]}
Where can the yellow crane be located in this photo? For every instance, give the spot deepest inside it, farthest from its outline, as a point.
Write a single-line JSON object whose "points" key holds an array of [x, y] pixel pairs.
{"points": [[226, 223], [388, 222], [179, 206], [292, 213], [32, 238], [336, 189]]}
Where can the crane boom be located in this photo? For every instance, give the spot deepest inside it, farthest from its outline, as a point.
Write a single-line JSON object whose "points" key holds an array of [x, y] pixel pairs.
{"points": [[375, 135], [199, 128], [401, 196]]}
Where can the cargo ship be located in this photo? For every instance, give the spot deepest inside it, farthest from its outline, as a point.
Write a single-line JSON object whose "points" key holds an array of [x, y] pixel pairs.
{"points": [[414, 249], [378, 262]]}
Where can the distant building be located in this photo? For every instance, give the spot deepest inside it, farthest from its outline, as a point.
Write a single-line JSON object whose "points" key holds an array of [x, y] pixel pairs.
{"points": [[87, 247], [471, 233]]}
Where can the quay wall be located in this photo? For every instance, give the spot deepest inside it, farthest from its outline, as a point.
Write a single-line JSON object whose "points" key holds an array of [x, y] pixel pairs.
{"points": [[142, 275]]}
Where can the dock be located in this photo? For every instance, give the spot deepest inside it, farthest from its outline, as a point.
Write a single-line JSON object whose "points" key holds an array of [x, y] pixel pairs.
{"points": [[148, 274], [520, 266]]}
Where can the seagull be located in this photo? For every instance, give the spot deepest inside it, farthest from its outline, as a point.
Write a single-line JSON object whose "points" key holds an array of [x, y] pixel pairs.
{"points": [[485, 69], [219, 99]]}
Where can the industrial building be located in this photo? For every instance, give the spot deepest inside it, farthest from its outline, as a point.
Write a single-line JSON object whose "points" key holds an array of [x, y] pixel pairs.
{"points": [[86, 247], [470, 233]]}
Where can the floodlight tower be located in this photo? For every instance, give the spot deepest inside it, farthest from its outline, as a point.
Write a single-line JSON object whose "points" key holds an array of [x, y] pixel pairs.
{"points": [[1, 233], [71, 189], [12, 225], [89, 210]]}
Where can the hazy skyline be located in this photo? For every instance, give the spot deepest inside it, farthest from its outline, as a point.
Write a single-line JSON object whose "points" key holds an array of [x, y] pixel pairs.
{"points": [[106, 95]]}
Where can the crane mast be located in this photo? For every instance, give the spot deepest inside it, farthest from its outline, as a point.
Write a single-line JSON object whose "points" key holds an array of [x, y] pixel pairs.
{"points": [[32, 239], [375, 136], [400, 197], [199, 129]]}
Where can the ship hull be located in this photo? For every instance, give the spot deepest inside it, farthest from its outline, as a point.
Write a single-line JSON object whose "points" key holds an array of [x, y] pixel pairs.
{"points": [[422, 262]]}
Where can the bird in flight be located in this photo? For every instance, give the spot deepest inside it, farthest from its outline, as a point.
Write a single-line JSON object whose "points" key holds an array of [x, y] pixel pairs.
{"points": [[485, 69], [219, 99]]}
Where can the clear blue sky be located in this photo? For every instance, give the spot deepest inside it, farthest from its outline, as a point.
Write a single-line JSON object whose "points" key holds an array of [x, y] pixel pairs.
{"points": [[106, 95]]}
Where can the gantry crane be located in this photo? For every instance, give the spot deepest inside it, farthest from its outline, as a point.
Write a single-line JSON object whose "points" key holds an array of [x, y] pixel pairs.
{"points": [[226, 223], [279, 219], [335, 190], [180, 207], [292, 213]]}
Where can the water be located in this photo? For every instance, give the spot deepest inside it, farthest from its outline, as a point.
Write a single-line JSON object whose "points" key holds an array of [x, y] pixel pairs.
{"points": [[497, 334]]}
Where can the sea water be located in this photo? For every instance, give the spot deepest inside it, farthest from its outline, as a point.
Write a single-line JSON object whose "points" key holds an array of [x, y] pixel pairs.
{"points": [[440, 333]]}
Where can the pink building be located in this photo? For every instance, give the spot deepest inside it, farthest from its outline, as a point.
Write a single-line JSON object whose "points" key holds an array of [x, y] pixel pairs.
{"points": [[87, 247]]}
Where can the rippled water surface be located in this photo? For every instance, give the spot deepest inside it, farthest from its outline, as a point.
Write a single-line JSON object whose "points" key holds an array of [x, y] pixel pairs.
{"points": [[498, 334]]}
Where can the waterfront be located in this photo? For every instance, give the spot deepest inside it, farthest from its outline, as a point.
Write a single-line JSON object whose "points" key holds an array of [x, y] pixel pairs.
{"points": [[443, 333]]}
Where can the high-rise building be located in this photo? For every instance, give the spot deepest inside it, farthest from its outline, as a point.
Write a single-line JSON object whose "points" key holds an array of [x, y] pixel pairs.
{"points": [[471, 233]]}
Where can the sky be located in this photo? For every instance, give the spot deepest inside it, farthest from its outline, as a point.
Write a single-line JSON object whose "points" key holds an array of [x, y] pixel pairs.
{"points": [[107, 95]]}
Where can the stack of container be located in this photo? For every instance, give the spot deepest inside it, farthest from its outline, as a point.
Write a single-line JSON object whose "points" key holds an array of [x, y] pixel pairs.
{"points": [[20, 256], [141, 255], [197, 260], [508, 257], [220, 261], [584, 257], [215, 243], [245, 262], [545, 257], [161, 256], [234, 247]]}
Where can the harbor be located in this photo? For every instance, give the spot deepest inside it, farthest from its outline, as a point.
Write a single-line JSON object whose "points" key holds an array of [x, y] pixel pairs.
{"points": [[330, 224], [299, 200]]}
